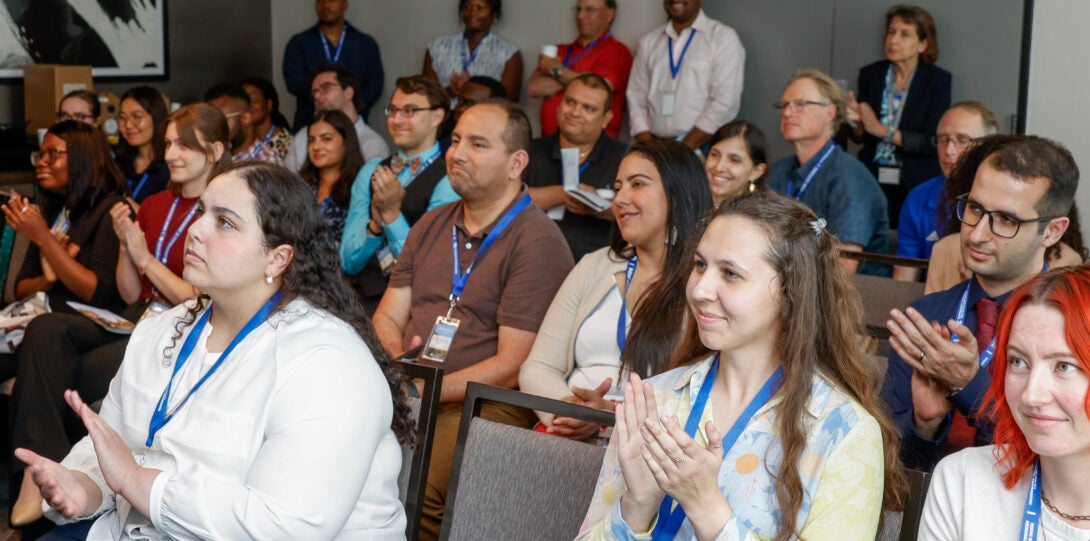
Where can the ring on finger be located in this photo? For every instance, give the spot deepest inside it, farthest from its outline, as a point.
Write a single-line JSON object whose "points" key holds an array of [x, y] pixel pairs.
{"points": [[24, 209], [678, 459], [922, 356]]}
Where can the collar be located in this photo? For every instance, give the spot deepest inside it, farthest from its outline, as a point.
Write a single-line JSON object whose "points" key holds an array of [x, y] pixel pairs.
{"points": [[976, 292], [933, 202], [601, 38], [424, 156], [701, 23], [595, 152], [804, 169], [460, 216]]}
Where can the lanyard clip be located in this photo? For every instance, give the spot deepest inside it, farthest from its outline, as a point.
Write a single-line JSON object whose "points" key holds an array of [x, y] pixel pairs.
{"points": [[453, 303]]}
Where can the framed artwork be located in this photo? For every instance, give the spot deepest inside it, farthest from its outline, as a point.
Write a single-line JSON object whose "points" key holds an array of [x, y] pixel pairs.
{"points": [[119, 39]]}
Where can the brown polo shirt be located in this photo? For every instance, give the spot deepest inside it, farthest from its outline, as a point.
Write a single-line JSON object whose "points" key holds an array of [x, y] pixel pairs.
{"points": [[512, 284]]}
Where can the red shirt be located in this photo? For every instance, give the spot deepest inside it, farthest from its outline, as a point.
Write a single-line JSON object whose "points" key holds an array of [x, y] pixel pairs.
{"points": [[609, 58], [151, 217]]}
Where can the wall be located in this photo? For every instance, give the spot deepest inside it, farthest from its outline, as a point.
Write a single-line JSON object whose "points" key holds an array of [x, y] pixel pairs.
{"points": [[209, 41]]}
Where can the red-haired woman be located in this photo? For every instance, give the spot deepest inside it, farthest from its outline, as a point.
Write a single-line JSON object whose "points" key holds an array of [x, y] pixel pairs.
{"points": [[1041, 407]]}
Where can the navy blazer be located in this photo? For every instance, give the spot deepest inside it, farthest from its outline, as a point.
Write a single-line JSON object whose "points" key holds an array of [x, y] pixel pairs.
{"points": [[928, 100]]}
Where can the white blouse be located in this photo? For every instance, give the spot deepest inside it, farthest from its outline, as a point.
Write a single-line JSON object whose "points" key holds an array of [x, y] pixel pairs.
{"points": [[289, 439]]}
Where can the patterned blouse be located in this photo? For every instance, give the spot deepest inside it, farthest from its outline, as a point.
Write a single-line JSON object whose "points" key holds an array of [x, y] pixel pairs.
{"points": [[281, 142], [492, 54], [841, 468], [335, 216]]}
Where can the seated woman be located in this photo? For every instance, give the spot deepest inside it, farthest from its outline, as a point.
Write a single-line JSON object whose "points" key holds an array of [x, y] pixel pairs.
{"points": [[770, 425], [333, 160], [80, 105], [67, 351], [736, 161], [266, 408], [1040, 399], [660, 197], [140, 151]]}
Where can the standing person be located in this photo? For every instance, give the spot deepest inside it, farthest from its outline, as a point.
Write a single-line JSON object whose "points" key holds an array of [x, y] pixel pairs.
{"points": [[582, 116], [270, 128], [333, 161], [270, 440], [140, 152], [510, 260], [1039, 398], [577, 356], [900, 102], [832, 182], [736, 161], [686, 78], [454, 58], [772, 323], [390, 195], [336, 89], [332, 41], [594, 50], [940, 363], [68, 351], [80, 105]]}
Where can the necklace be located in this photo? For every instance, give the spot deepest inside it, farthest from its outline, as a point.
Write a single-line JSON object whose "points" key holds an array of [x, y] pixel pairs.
{"points": [[1061, 513]]}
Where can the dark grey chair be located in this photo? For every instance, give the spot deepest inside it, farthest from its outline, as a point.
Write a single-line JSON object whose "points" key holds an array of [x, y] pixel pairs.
{"points": [[414, 461], [513, 483], [880, 295], [904, 526]]}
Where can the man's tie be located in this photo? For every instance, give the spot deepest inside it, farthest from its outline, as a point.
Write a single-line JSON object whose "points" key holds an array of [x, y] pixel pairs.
{"points": [[962, 434], [398, 164]]}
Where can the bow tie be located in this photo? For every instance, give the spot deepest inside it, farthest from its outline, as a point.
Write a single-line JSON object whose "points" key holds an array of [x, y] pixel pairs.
{"points": [[398, 164]]}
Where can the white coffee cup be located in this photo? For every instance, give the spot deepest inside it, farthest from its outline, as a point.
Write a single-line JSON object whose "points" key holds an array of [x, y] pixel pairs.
{"points": [[550, 51]]}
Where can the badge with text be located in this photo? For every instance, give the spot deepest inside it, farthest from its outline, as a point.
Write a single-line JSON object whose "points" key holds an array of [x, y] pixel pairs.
{"points": [[386, 260], [442, 335]]}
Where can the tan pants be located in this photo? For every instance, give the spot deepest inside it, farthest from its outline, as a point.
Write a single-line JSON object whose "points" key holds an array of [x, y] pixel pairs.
{"points": [[447, 424]]}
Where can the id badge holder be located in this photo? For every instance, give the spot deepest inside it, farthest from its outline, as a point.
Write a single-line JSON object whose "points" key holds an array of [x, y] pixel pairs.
{"points": [[889, 175], [386, 260], [668, 97], [155, 307], [442, 335]]}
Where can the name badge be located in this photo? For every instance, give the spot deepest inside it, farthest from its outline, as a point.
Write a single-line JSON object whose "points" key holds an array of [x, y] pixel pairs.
{"points": [[154, 308], [668, 104], [442, 335], [386, 260], [889, 175]]}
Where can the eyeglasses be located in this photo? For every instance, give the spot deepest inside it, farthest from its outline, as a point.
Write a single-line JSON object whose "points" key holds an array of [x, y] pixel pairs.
{"points": [[324, 88], [78, 117], [1003, 224], [796, 105], [408, 110], [577, 10], [959, 141], [136, 118], [47, 156]]}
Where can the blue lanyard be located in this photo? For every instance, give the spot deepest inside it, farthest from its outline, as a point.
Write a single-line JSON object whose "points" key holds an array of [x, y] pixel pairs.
{"points": [[1031, 513], [340, 45], [257, 148], [670, 520], [459, 279], [569, 61], [160, 417], [988, 354], [160, 253], [139, 185], [621, 323], [829, 147], [675, 68], [467, 57], [583, 167]]}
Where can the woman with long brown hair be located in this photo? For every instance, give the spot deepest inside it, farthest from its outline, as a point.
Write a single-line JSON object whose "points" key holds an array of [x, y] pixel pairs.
{"points": [[771, 360]]}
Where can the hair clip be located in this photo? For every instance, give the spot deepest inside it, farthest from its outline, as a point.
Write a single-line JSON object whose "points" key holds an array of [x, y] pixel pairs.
{"points": [[818, 225]]}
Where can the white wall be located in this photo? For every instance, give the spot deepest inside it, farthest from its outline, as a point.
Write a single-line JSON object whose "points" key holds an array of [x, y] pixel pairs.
{"points": [[1059, 104]]}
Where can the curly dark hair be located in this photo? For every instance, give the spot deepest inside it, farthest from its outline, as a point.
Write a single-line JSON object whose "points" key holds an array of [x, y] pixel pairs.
{"points": [[284, 205]]}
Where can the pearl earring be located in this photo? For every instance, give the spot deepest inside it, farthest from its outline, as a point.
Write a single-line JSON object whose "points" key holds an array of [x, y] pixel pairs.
{"points": [[268, 279]]}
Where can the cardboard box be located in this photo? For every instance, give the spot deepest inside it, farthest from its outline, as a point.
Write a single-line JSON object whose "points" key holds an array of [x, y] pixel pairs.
{"points": [[43, 87]]}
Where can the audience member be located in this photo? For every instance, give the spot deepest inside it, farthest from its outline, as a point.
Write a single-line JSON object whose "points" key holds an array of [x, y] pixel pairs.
{"points": [[332, 41], [582, 116], [269, 127], [68, 351], [921, 219], [234, 102], [81, 106], [335, 89], [140, 151], [736, 161], [454, 59], [1042, 437], [390, 195], [901, 100], [517, 258], [686, 78], [830, 181], [477, 89], [942, 347], [577, 355], [333, 161], [594, 50], [224, 453], [773, 324]]}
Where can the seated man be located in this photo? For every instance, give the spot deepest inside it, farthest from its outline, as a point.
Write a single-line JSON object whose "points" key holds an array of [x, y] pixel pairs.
{"points": [[583, 114], [830, 181], [508, 261], [1022, 190], [233, 101], [918, 228], [390, 194], [335, 88]]}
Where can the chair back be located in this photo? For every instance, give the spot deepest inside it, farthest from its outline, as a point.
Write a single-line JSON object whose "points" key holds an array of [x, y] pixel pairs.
{"points": [[880, 295], [904, 526], [414, 461], [507, 479]]}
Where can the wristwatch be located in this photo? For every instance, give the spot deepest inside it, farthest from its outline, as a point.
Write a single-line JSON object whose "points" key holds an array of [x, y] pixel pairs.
{"points": [[556, 72]]}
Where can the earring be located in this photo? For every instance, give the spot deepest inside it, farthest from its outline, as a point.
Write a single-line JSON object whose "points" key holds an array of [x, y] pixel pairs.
{"points": [[752, 186], [268, 279], [672, 237]]}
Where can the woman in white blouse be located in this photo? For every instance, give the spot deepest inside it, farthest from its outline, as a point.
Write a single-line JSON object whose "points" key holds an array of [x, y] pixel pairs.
{"points": [[293, 434], [454, 58]]}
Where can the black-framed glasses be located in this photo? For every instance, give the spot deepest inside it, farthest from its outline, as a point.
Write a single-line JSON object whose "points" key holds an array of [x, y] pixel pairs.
{"points": [[78, 117], [47, 156], [408, 110], [796, 105], [1003, 224], [324, 88], [959, 141]]}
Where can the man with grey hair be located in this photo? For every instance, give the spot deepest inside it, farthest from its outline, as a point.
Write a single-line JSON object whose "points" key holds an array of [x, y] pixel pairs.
{"points": [[830, 181]]}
